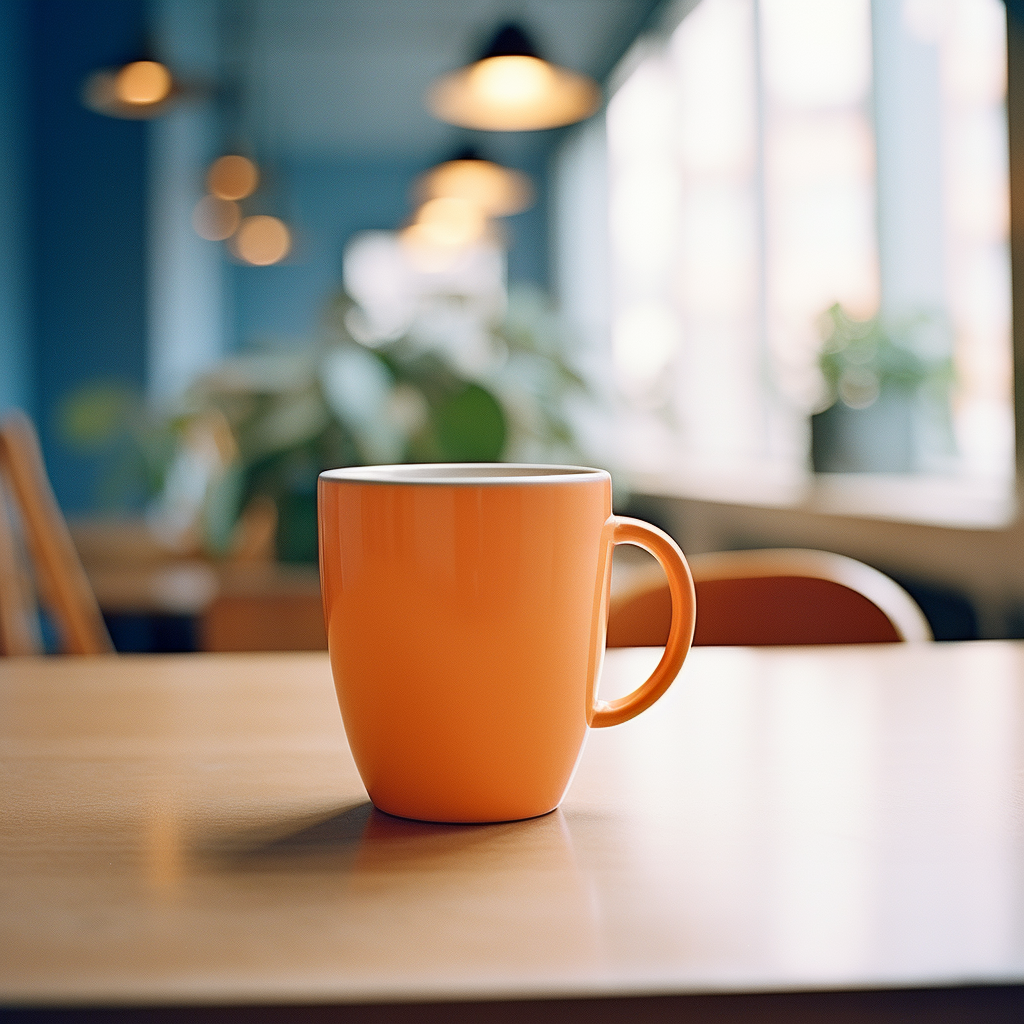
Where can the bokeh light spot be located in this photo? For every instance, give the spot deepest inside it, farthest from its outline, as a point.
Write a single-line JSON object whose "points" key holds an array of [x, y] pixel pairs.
{"points": [[262, 240], [142, 83], [511, 80], [232, 177]]}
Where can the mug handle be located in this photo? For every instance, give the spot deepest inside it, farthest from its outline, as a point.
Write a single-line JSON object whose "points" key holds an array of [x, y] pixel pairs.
{"points": [[620, 530]]}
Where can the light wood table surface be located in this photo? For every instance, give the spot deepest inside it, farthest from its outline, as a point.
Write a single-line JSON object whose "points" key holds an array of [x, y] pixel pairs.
{"points": [[189, 830]]}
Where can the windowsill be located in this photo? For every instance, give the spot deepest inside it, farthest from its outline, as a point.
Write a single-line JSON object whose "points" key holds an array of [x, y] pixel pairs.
{"points": [[970, 504]]}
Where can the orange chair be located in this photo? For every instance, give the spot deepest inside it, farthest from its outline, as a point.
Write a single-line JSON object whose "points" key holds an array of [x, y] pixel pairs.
{"points": [[771, 597], [61, 581]]}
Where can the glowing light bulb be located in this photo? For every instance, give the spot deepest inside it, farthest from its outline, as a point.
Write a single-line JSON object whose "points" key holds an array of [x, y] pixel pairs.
{"points": [[232, 177], [262, 240], [512, 80], [498, 191], [513, 93], [450, 222], [142, 83]]}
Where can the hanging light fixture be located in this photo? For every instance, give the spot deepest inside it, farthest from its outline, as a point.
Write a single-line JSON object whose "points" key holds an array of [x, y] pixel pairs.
{"points": [[497, 191], [510, 88], [261, 241], [258, 240], [138, 90], [241, 192], [446, 223], [232, 177]]}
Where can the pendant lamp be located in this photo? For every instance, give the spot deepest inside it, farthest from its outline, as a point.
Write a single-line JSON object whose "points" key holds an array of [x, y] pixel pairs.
{"points": [[232, 177], [138, 90], [511, 89], [261, 240], [497, 191]]}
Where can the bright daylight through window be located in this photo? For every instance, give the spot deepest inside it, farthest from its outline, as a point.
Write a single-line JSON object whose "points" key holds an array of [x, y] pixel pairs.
{"points": [[808, 253]]}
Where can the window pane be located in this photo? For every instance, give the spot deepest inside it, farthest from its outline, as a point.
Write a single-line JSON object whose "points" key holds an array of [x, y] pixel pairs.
{"points": [[770, 159]]}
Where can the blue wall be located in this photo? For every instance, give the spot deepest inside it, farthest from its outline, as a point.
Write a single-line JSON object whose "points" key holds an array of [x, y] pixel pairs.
{"points": [[529, 232], [86, 219], [15, 350]]}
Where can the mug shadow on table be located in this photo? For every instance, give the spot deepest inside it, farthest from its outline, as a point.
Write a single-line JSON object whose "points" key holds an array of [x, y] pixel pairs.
{"points": [[361, 838]]}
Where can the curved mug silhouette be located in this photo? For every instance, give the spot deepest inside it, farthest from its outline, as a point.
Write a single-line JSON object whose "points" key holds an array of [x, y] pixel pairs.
{"points": [[465, 607]]}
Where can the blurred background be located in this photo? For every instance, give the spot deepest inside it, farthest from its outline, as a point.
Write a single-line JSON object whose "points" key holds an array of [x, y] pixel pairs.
{"points": [[752, 256]]}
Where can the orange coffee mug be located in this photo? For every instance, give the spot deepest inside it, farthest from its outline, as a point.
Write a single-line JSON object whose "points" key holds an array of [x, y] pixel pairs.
{"points": [[466, 607]]}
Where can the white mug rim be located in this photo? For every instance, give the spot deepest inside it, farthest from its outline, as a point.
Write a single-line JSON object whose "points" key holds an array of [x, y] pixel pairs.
{"points": [[465, 474]]}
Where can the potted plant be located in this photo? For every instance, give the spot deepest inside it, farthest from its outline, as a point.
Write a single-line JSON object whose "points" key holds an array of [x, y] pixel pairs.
{"points": [[261, 426], [887, 395]]}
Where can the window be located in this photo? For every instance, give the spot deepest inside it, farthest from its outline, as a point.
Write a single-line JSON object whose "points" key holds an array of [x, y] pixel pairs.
{"points": [[767, 159]]}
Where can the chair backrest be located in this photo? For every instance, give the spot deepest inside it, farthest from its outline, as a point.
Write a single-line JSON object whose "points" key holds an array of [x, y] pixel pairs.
{"points": [[772, 597], [62, 583]]}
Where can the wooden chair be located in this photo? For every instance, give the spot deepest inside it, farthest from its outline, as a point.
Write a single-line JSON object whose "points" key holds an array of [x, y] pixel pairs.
{"points": [[771, 597], [61, 581]]}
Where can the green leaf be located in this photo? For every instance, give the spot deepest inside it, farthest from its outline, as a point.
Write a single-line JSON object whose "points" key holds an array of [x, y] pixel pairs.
{"points": [[223, 504], [97, 413], [470, 426]]}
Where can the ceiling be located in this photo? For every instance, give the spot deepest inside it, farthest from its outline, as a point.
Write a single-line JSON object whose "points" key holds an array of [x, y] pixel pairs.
{"points": [[345, 78]]}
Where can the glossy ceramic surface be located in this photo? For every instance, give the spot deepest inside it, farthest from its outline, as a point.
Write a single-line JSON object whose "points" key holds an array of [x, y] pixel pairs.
{"points": [[465, 610]]}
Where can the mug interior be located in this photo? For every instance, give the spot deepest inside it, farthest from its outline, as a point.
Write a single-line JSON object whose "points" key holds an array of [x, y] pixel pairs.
{"points": [[463, 473]]}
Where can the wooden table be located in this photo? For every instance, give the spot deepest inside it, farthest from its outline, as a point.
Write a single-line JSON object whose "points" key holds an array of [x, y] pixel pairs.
{"points": [[190, 831]]}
